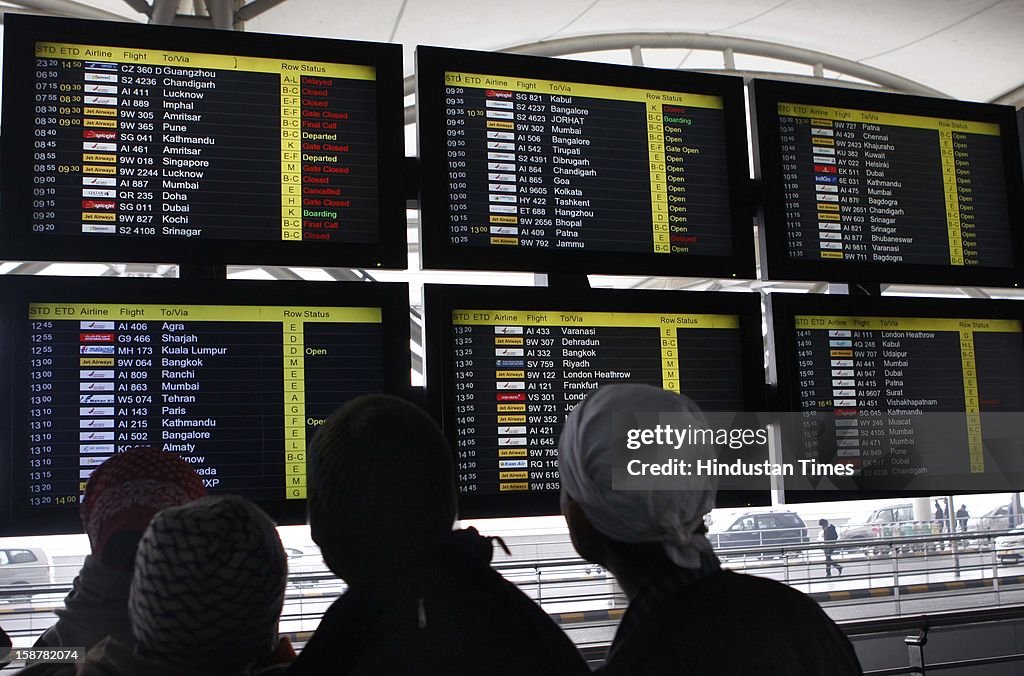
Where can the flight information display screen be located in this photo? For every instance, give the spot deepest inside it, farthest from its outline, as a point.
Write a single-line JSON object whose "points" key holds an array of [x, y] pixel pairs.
{"points": [[509, 376], [909, 393], [234, 387], [882, 187], [168, 140], [541, 157]]}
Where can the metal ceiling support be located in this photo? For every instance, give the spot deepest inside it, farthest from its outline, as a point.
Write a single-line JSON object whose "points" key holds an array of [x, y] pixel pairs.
{"points": [[612, 41], [972, 292], [817, 60], [627, 41], [347, 275], [222, 13], [749, 75], [68, 8], [729, 58], [280, 272], [192, 21], [30, 268], [255, 8], [163, 12], [140, 6], [636, 54]]}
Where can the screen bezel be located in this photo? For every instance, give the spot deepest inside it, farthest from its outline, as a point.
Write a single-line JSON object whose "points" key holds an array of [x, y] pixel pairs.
{"points": [[783, 307], [765, 95], [17, 291], [441, 299], [438, 253], [18, 243]]}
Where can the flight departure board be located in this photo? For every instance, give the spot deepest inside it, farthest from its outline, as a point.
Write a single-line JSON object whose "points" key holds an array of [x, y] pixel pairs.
{"points": [[917, 394], [507, 365], [864, 186], [547, 164], [150, 143], [234, 386]]}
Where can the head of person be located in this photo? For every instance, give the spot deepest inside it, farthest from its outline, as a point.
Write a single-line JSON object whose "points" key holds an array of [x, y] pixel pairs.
{"points": [[125, 492], [631, 529], [380, 483], [823, 523], [209, 586]]}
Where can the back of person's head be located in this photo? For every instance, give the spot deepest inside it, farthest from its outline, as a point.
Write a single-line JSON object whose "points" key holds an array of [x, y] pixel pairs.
{"points": [[380, 478], [124, 493], [823, 522], [588, 456], [209, 586]]}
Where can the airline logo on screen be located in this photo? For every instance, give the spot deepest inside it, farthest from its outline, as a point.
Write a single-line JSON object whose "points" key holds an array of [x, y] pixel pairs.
{"points": [[532, 165], [869, 186], [206, 382], [142, 137], [518, 373], [876, 376]]}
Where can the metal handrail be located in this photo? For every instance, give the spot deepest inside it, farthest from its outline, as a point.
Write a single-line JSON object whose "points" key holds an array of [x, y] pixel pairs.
{"points": [[945, 618]]}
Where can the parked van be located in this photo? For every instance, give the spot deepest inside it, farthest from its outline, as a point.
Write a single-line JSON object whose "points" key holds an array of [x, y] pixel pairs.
{"points": [[23, 567]]}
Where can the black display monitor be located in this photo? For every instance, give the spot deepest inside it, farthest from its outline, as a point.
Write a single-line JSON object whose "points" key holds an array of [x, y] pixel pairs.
{"points": [[234, 376], [863, 186], [918, 396], [506, 365], [557, 165], [126, 142]]}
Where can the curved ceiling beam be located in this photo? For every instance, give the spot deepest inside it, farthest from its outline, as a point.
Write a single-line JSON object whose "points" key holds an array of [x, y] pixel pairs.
{"points": [[626, 41]]}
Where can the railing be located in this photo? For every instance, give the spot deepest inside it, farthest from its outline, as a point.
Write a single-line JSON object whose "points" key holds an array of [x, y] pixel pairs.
{"points": [[924, 625], [885, 577]]}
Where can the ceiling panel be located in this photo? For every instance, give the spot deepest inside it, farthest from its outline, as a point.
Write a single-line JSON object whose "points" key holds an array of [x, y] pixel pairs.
{"points": [[330, 19], [977, 60]]}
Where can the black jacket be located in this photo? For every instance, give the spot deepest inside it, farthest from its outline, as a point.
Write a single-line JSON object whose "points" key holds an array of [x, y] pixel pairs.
{"points": [[443, 612], [729, 624]]}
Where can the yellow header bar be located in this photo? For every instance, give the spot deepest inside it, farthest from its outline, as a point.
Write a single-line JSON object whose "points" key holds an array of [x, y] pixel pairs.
{"points": [[128, 312], [594, 91], [892, 119], [197, 60], [592, 319], [908, 324]]}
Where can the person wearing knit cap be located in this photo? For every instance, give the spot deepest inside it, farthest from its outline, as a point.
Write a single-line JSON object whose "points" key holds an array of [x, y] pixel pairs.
{"points": [[121, 497], [685, 614], [206, 597], [422, 599]]}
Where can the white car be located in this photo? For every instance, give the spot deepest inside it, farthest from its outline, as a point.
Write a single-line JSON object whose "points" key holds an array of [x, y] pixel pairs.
{"points": [[23, 567], [1010, 547]]}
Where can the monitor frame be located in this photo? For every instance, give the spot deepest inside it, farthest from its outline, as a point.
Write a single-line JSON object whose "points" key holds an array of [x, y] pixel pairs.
{"points": [[783, 307], [16, 291], [765, 95], [438, 253], [441, 299], [18, 243]]}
